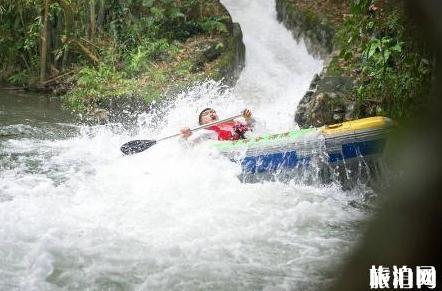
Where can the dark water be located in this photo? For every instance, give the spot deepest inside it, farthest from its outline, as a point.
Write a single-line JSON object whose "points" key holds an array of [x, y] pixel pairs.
{"points": [[24, 115]]}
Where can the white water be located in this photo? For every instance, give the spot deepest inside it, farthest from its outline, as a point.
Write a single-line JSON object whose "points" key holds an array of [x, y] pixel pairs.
{"points": [[278, 70], [75, 214]]}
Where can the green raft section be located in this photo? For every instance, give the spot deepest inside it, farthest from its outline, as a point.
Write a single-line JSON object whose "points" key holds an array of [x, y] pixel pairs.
{"points": [[264, 140], [342, 141]]}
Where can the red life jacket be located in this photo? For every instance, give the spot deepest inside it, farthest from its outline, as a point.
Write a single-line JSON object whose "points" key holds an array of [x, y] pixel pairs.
{"points": [[230, 130]]}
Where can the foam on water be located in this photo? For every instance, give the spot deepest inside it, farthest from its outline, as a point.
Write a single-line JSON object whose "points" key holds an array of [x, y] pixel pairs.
{"points": [[76, 214]]}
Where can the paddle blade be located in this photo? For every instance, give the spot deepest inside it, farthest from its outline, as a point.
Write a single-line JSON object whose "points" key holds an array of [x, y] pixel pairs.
{"points": [[136, 146]]}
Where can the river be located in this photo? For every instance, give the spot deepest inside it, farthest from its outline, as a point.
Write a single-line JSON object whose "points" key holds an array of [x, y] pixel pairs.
{"points": [[77, 215]]}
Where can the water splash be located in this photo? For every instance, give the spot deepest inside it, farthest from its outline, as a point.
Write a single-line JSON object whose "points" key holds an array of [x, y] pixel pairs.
{"points": [[76, 214], [278, 69]]}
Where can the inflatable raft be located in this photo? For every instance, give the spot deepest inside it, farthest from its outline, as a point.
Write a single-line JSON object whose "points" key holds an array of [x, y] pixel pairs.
{"points": [[334, 143]]}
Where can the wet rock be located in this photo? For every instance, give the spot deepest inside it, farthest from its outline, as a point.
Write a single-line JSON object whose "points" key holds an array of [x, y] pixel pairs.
{"points": [[314, 83], [101, 115], [350, 112], [212, 51], [233, 61], [308, 96], [329, 98], [335, 84], [206, 53], [328, 101], [324, 108], [338, 117], [314, 30]]}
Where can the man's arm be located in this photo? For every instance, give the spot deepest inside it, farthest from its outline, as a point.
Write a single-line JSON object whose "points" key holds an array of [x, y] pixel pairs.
{"points": [[192, 139]]}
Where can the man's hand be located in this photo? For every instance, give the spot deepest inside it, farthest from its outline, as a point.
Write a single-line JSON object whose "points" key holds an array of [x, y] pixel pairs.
{"points": [[186, 132], [247, 114]]}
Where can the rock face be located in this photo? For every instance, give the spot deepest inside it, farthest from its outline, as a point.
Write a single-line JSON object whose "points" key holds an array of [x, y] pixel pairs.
{"points": [[228, 55], [326, 102], [329, 99], [316, 32], [235, 60]]}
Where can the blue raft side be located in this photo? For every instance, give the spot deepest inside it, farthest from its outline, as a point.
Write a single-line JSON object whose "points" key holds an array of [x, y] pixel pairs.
{"points": [[357, 149], [289, 160], [272, 162]]}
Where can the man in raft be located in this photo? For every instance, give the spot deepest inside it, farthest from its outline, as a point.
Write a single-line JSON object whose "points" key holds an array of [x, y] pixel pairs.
{"points": [[229, 130]]}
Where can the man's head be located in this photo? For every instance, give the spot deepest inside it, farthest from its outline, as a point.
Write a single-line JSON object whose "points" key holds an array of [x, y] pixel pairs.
{"points": [[207, 115]]}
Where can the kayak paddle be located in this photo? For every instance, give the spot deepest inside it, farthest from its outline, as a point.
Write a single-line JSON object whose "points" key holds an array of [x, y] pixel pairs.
{"points": [[139, 145]]}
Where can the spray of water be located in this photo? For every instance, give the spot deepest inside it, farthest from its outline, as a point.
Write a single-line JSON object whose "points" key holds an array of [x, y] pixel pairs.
{"points": [[76, 214]]}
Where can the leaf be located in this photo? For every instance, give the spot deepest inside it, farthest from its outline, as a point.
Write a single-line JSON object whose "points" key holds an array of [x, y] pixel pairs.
{"points": [[157, 12], [385, 41], [397, 47], [176, 13], [371, 50], [387, 55], [148, 3]]}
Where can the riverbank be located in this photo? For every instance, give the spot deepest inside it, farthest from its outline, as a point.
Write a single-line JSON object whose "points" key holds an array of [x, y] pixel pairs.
{"points": [[102, 59], [377, 62]]}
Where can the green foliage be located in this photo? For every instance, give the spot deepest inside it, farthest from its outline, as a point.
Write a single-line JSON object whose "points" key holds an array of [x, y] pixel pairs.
{"points": [[184, 68], [360, 6], [142, 57], [136, 44], [138, 60], [19, 36], [214, 25], [394, 64], [20, 78], [144, 29], [379, 55], [95, 84]]}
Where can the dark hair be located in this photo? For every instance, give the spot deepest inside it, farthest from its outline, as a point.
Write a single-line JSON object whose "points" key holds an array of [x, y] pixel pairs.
{"points": [[201, 114]]}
